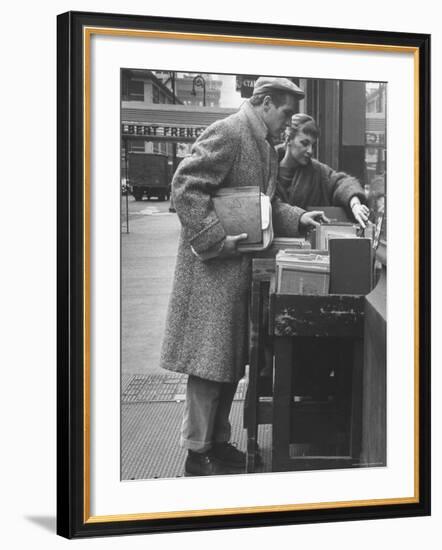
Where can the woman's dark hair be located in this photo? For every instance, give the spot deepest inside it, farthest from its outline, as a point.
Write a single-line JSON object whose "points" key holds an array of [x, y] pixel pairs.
{"points": [[302, 123]]}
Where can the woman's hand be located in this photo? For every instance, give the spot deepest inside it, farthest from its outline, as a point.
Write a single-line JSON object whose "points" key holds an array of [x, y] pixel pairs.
{"points": [[360, 213], [313, 218]]}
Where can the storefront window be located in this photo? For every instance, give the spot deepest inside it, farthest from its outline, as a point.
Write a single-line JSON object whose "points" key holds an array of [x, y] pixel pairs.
{"points": [[133, 90], [136, 146], [376, 149], [155, 94]]}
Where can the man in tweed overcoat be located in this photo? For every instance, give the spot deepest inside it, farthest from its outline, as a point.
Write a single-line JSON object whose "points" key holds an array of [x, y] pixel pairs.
{"points": [[206, 328]]}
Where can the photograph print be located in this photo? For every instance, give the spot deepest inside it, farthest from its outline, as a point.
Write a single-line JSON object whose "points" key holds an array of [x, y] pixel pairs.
{"points": [[253, 274]]}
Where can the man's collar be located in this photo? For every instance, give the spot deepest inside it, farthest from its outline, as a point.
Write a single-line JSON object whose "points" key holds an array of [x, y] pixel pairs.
{"points": [[258, 124]]}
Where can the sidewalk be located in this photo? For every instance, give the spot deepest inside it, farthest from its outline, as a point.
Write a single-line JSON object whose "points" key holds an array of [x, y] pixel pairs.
{"points": [[151, 419], [152, 399]]}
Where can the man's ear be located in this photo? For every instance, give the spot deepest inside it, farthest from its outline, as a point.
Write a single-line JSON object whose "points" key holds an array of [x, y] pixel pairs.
{"points": [[267, 102]]}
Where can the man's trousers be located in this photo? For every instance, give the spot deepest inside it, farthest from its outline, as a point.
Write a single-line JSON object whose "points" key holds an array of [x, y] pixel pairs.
{"points": [[206, 413]]}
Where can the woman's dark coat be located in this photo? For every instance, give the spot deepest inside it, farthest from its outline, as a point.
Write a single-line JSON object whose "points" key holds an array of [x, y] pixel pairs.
{"points": [[316, 184]]}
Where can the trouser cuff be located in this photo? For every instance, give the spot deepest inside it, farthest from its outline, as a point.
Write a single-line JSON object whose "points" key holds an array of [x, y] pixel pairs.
{"points": [[197, 446]]}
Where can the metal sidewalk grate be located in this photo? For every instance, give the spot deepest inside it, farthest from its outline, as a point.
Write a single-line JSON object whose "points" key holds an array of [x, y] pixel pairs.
{"points": [[158, 388], [150, 440]]}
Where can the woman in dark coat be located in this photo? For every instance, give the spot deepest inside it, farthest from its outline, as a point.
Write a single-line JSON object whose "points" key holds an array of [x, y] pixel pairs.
{"points": [[304, 181]]}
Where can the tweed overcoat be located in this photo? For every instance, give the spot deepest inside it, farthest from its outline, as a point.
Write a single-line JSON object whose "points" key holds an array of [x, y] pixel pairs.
{"points": [[206, 328]]}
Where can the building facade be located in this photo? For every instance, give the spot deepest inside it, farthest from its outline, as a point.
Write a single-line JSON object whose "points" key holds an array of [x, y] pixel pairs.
{"points": [[164, 112]]}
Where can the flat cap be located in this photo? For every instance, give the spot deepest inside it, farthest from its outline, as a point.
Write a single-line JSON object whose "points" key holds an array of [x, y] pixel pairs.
{"points": [[269, 84]]}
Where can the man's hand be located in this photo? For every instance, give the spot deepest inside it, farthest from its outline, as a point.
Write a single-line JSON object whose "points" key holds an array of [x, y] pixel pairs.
{"points": [[360, 213], [313, 218], [229, 250]]}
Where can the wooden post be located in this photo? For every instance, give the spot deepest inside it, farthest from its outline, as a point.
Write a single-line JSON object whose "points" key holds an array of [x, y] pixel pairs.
{"points": [[282, 397]]}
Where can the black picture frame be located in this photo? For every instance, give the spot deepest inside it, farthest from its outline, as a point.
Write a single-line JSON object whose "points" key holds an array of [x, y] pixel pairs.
{"points": [[73, 518]]}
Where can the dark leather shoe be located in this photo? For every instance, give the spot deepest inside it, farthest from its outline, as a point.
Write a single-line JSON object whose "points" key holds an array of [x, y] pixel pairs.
{"points": [[228, 455], [200, 464]]}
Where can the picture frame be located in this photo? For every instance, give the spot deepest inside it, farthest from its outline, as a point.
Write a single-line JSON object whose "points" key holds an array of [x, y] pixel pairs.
{"points": [[76, 431]]}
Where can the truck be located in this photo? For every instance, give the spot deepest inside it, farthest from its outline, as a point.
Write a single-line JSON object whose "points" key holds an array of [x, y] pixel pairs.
{"points": [[148, 175]]}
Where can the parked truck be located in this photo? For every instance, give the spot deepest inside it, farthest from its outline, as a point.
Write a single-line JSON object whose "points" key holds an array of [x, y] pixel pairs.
{"points": [[148, 175]]}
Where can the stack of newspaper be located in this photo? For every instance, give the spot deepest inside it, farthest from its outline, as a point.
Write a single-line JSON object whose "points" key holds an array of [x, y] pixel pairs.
{"points": [[287, 243], [302, 272], [337, 230]]}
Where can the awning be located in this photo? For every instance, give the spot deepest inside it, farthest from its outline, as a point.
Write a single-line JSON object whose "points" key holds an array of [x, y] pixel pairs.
{"points": [[182, 123]]}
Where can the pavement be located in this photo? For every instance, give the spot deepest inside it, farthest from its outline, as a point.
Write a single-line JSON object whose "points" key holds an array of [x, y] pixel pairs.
{"points": [[152, 399]]}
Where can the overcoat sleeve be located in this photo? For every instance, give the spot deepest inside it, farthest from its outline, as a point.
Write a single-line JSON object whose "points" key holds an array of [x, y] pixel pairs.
{"points": [[198, 177], [341, 186], [285, 218]]}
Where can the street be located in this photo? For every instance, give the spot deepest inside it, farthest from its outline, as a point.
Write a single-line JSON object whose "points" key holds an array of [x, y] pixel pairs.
{"points": [[147, 262]]}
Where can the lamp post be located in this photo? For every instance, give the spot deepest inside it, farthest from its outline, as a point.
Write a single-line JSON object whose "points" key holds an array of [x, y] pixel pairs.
{"points": [[171, 206], [199, 82], [126, 175]]}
